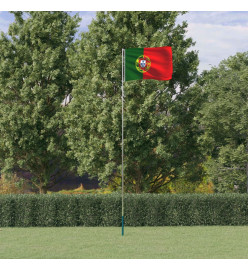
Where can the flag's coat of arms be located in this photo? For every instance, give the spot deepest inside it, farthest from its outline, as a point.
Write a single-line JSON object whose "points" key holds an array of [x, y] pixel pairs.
{"points": [[143, 63]]}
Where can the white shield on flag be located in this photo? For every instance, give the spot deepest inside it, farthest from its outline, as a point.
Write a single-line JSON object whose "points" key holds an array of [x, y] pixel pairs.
{"points": [[142, 63]]}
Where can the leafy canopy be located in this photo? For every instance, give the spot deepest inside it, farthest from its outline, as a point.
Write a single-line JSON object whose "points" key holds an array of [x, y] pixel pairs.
{"points": [[224, 118], [34, 79], [159, 137]]}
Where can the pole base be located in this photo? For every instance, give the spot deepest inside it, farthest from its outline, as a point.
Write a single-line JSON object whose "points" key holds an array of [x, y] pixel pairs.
{"points": [[122, 225]]}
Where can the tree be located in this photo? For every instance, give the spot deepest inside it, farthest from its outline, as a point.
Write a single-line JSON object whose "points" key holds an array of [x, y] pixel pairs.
{"points": [[224, 119], [34, 79], [158, 114]]}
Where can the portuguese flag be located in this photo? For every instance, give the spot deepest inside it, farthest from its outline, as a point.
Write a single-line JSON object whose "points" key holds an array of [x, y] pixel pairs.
{"points": [[148, 63]]}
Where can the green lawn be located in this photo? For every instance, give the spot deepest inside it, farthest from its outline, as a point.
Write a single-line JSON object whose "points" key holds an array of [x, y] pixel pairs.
{"points": [[199, 242]]}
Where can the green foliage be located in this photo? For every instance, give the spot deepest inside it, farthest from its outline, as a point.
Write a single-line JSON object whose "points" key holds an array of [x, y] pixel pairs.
{"points": [[160, 135], [12, 184], [34, 79], [186, 186], [140, 210], [81, 190], [110, 210], [89, 210], [224, 119]]}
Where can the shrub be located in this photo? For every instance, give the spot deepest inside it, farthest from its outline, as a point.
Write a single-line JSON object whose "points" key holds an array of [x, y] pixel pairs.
{"points": [[89, 209], [181, 186], [12, 184], [140, 210]]}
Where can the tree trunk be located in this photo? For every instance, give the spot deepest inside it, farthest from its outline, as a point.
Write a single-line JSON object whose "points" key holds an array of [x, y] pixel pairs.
{"points": [[43, 190], [137, 187], [138, 180], [138, 184]]}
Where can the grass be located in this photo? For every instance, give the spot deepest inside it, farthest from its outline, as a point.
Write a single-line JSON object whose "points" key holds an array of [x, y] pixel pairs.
{"points": [[200, 242]]}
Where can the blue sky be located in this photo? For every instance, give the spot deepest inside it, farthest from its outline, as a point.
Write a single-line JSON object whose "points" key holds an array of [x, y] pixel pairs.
{"points": [[217, 34]]}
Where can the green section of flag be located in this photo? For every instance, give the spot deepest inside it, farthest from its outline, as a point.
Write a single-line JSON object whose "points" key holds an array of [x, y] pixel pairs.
{"points": [[131, 55]]}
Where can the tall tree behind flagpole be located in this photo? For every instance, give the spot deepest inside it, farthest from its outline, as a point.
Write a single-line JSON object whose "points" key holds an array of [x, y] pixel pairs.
{"points": [[122, 143]]}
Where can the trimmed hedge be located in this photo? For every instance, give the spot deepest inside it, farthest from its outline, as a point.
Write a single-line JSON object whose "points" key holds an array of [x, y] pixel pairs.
{"points": [[140, 210]]}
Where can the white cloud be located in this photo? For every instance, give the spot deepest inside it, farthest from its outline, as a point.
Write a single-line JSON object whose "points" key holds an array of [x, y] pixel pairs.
{"points": [[218, 35], [216, 17]]}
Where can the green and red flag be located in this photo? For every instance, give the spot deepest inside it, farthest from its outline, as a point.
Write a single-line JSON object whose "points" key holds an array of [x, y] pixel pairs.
{"points": [[148, 63]]}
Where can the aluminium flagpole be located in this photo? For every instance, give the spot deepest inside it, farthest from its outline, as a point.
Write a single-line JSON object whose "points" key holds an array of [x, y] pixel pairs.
{"points": [[122, 144]]}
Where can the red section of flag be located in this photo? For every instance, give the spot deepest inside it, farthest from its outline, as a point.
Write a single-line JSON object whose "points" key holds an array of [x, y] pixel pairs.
{"points": [[161, 63]]}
